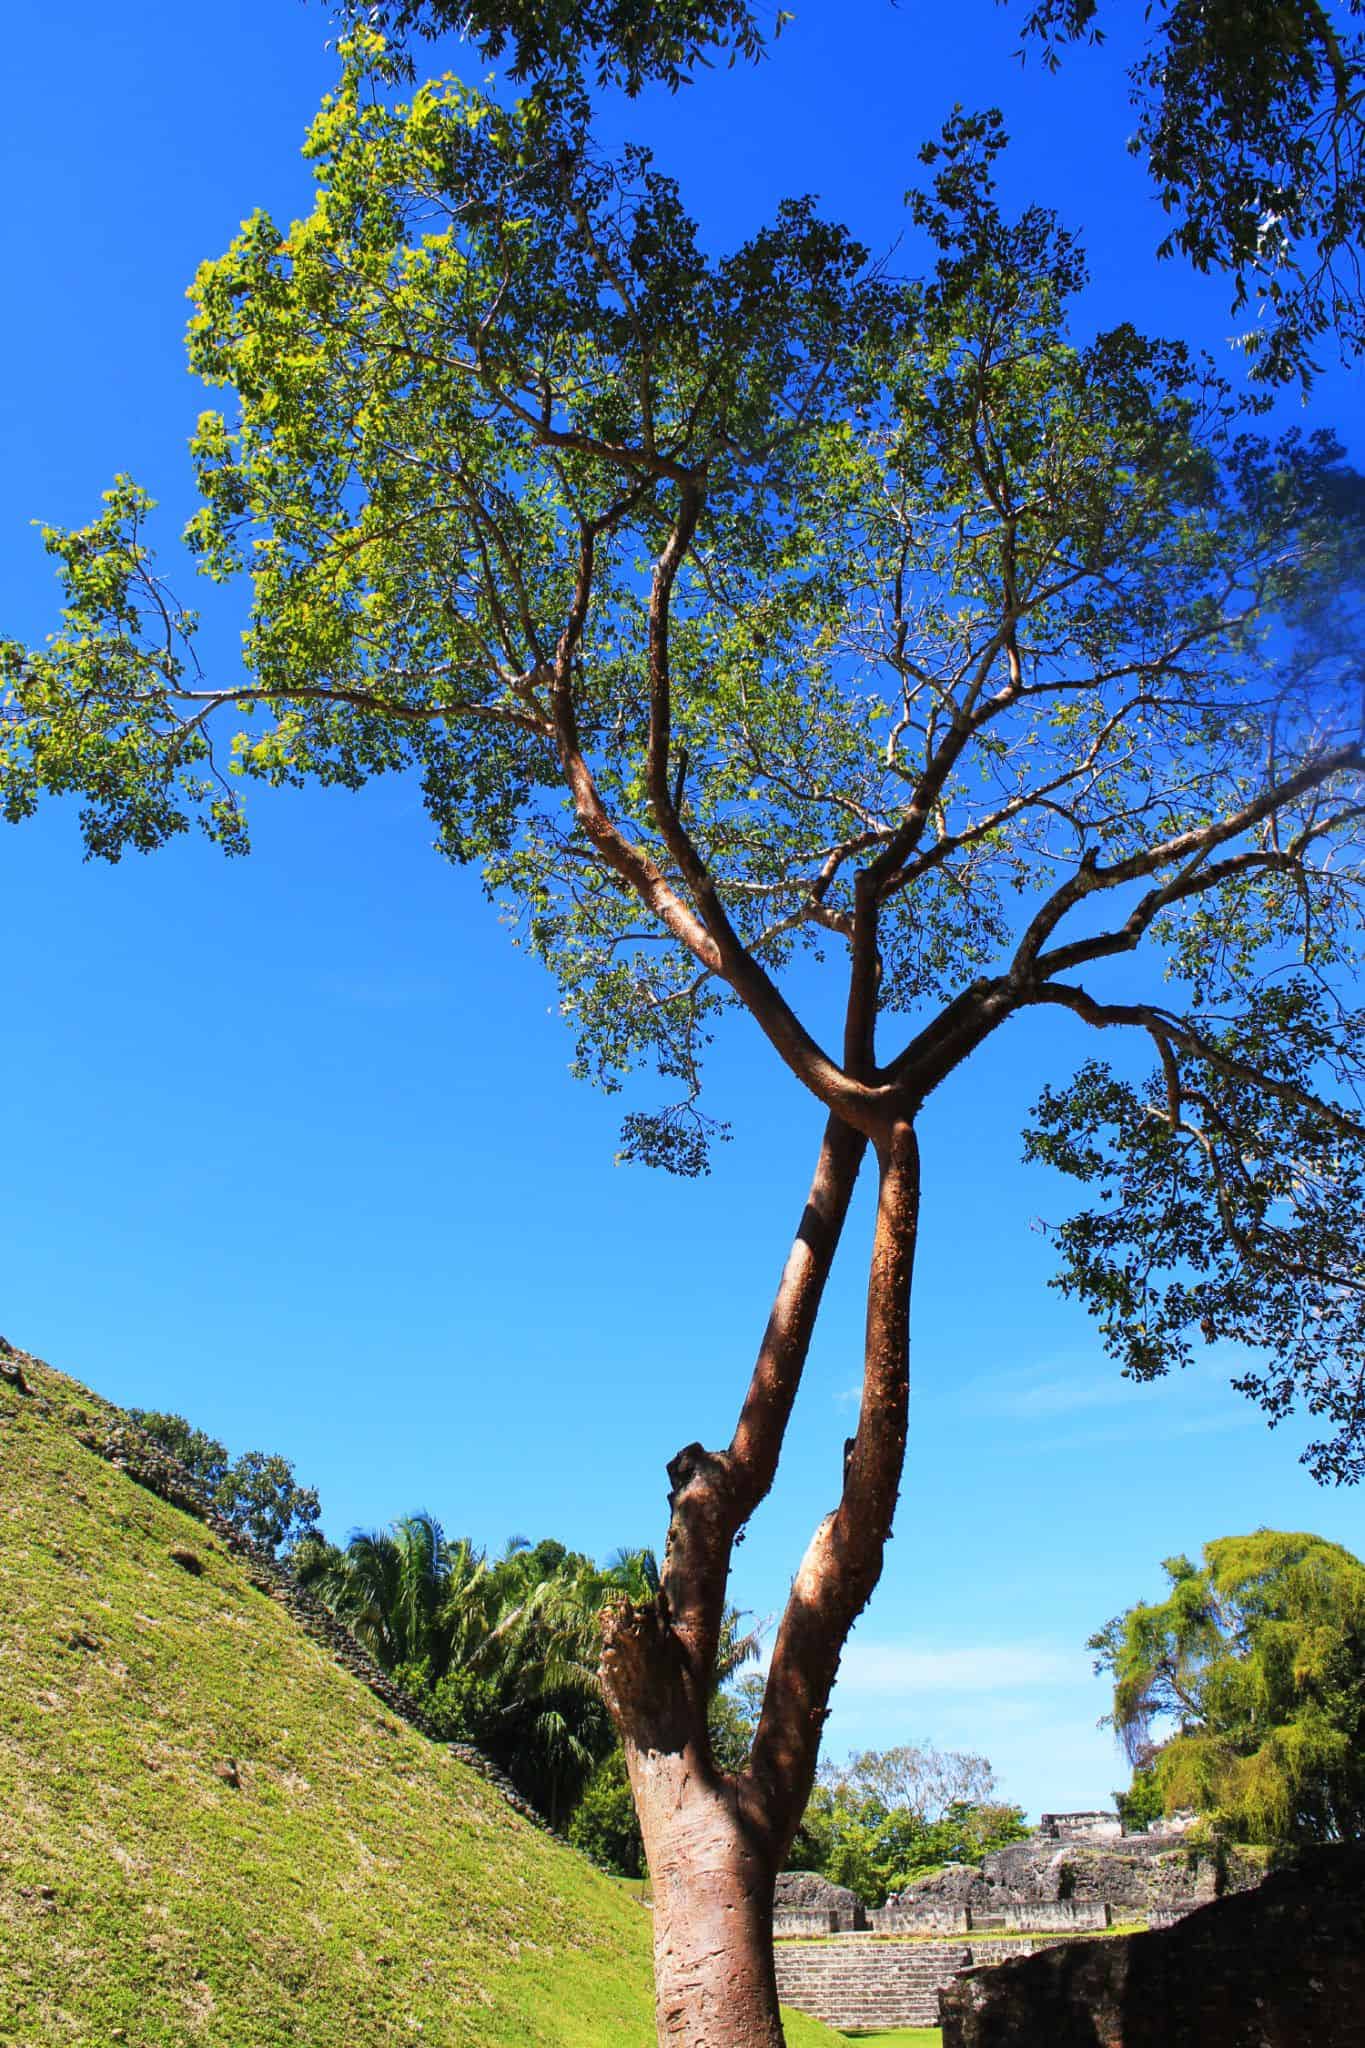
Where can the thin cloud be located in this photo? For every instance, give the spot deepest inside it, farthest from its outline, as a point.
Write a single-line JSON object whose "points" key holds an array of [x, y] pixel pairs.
{"points": [[1042, 1391], [988, 1667], [1152, 1429]]}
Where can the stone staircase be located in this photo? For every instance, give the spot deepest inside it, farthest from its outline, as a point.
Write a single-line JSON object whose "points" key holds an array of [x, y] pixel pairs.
{"points": [[852, 1980]]}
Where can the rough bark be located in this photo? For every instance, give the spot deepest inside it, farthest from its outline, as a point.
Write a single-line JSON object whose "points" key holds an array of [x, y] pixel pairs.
{"points": [[711, 1868]]}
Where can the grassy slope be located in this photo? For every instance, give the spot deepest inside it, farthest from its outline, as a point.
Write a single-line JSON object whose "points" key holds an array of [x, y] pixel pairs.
{"points": [[358, 1887]]}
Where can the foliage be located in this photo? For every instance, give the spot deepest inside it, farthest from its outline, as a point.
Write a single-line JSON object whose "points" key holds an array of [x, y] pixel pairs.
{"points": [[552, 41], [499, 1651], [502, 1652], [492, 373], [926, 1781], [747, 614], [876, 1850], [1251, 118], [1229, 1211], [1258, 1658], [1142, 1802], [604, 1823], [257, 1492], [883, 1817]]}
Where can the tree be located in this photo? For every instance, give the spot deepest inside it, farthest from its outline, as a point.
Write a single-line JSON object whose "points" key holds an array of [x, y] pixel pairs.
{"points": [[550, 42], [1251, 118], [1259, 1660], [738, 610], [883, 1817], [856, 1840], [1251, 122], [257, 1492], [916, 1776], [499, 1651]]}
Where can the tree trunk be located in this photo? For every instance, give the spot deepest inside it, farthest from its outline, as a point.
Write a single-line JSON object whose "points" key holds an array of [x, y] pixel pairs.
{"points": [[714, 1843], [711, 1863], [715, 1985]]}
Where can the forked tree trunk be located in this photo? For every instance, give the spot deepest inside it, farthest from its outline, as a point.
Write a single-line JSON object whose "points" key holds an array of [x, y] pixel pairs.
{"points": [[714, 1843]]}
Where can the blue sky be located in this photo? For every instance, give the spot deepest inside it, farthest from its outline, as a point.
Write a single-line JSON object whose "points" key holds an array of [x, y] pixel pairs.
{"points": [[290, 1144]]}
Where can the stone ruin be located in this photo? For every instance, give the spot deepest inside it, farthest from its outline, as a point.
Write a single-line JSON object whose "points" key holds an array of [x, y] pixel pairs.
{"points": [[806, 1903], [852, 1966], [1280, 1966]]}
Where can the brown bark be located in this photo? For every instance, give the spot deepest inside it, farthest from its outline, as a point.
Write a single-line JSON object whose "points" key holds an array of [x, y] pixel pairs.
{"points": [[715, 1492], [712, 1869], [844, 1559], [709, 1844]]}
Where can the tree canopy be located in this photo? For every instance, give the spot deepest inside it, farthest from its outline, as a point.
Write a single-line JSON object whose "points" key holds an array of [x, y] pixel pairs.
{"points": [[501, 1651], [1258, 1658], [879, 1819], [1250, 121], [948, 610]]}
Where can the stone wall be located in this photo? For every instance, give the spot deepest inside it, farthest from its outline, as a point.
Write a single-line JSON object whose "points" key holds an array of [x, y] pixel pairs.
{"points": [[1282, 1966], [1076, 1878], [806, 1891], [1132, 1873], [874, 1981], [793, 1923], [1055, 1916], [928, 1916], [1081, 1827]]}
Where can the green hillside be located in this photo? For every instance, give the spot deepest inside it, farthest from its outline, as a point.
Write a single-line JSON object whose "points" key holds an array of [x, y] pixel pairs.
{"points": [[210, 1834]]}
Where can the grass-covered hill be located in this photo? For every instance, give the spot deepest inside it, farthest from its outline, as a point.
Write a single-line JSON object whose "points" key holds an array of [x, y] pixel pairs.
{"points": [[211, 1834]]}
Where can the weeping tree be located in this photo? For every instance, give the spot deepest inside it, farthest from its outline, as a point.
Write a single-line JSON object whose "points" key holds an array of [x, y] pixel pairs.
{"points": [[788, 638], [1241, 1694]]}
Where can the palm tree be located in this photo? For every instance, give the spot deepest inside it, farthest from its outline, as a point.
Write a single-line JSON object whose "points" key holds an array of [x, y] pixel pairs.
{"points": [[392, 1588], [502, 1651]]}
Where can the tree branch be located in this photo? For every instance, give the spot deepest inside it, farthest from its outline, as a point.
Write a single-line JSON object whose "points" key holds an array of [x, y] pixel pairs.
{"points": [[844, 1560]]}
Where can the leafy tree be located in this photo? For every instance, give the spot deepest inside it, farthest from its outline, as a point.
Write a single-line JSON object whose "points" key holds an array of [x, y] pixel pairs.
{"points": [[740, 611], [1258, 1658], [404, 1592], [502, 1652], [924, 1780], [203, 1457], [257, 1492], [550, 42], [854, 1839], [883, 1817], [1141, 1803], [1251, 118], [604, 1824]]}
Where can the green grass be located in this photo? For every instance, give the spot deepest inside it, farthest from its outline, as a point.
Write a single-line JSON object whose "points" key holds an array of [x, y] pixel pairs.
{"points": [[358, 1887], [900, 2037]]}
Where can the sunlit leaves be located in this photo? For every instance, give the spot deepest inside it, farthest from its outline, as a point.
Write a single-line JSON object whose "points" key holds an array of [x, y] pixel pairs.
{"points": [[1241, 1694]]}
